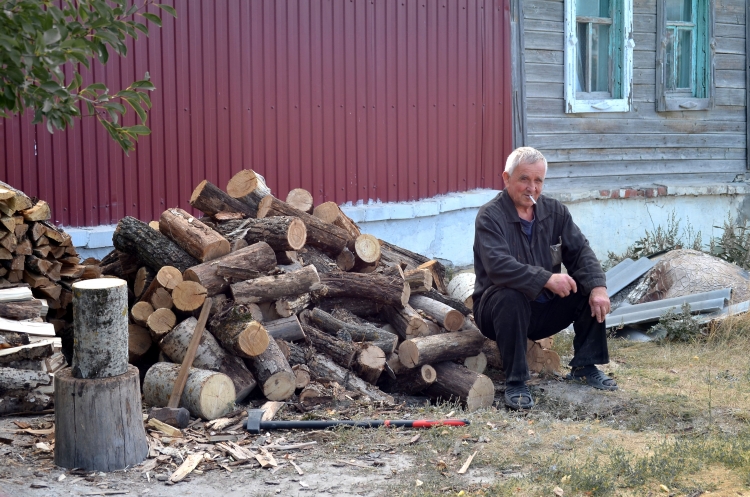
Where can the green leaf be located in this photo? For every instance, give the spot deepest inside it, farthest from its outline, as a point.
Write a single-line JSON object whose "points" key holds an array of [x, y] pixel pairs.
{"points": [[141, 27], [136, 105], [153, 18], [139, 129], [168, 9], [96, 86], [51, 36], [116, 106], [143, 85]]}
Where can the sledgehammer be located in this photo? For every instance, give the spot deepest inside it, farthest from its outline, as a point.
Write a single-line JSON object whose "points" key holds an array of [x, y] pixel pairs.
{"points": [[179, 417], [255, 424]]}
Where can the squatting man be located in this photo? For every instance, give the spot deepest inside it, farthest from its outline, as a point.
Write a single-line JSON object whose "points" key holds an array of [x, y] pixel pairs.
{"points": [[521, 240]]}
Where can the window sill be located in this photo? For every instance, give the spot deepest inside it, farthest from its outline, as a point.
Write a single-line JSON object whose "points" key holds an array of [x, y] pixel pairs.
{"points": [[670, 104]]}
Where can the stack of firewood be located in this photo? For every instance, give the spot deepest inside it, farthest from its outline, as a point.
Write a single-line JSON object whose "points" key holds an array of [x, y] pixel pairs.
{"points": [[303, 304], [38, 265]]}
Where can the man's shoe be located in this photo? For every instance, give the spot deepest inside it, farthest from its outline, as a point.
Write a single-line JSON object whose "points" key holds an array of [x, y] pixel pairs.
{"points": [[518, 397], [593, 376]]}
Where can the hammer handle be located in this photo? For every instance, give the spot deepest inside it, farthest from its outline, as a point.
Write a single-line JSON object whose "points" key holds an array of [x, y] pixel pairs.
{"points": [[187, 362]]}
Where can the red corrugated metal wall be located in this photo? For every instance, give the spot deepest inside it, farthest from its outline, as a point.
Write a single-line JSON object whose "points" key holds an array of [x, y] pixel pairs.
{"points": [[350, 99]]}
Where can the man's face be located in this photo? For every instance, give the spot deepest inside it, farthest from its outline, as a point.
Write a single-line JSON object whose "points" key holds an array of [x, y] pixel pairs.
{"points": [[527, 179]]}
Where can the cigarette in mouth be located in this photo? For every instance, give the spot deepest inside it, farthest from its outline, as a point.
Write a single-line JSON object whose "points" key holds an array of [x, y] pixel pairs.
{"points": [[532, 199]]}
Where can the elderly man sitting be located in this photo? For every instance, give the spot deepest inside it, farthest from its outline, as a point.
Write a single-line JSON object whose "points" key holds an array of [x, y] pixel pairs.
{"points": [[521, 239]]}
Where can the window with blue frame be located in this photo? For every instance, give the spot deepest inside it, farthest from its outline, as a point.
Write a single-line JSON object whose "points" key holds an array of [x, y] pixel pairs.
{"points": [[684, 75]]}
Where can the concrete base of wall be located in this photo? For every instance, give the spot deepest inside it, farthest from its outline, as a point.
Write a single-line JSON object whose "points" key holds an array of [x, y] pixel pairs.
{"points": [[443, 227]]}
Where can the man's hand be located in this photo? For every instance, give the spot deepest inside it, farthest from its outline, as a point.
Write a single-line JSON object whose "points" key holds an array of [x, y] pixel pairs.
{"points": [[599, 302], [562, 285]]}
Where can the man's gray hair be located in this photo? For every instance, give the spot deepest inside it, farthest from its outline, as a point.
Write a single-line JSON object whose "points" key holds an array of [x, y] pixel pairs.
{"points": [[524, 155]]}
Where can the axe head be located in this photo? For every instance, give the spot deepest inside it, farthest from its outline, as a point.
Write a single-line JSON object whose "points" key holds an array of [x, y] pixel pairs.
{"points": [[254, 417], [179, 417]]}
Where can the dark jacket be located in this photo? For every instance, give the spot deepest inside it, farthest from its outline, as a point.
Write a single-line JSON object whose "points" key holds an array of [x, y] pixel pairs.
{"points": [[503, 256]]}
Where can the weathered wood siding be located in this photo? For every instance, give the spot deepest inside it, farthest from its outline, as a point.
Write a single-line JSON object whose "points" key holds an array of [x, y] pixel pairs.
{"points": [[641, 146]]}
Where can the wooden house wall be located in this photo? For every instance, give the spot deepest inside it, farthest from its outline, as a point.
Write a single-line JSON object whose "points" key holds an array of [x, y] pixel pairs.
{"points": [[641, 146]]}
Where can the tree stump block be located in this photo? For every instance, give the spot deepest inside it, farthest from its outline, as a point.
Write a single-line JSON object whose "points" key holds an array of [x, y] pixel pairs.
{"points": [[98, 422], [100, 320]]}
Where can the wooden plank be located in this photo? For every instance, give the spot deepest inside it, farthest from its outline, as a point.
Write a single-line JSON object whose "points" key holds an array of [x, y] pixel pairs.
{"points": [[730, 30], [543, 10], [731, 6], [31, 328], [631, 167], [730, 96], [642, 181], [730, 79], [644, 93], [644, 23], [644, 59], [645, 41], [701, 155], [545, 90], [729, 18], [544, 73], [644, 6], [543, 40], [644, 76], [730, 45], [547, 107], [544, 26], [554, 141], [540, 125], [729, 61], [554, 57]]}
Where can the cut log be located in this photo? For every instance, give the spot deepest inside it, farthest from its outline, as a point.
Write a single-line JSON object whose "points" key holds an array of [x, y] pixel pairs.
{"points": [[323, 263], [211, 200], [323, 367], [270, 288], [384, 340], [414, 381], [12, 380], [346, 262], [110, 440], [343, 353], [541, 360], [327, 237], [28, 327], [369, 363], [433, 328], [396, 365], [382, 289], [248, 187], [143, 279], [446, 316], [320, 393], [91, 272], [298, 354], [461, 288], [477, 363], [284, 347], [360, 307], [258, 257], [100, 319], [439, 348], [10, 339], [301, 199], [140, 313], [394, 254], [331, 213], [19, 201], [31, 352], [455, 382], [280, 232], [302, 374], [16, 294], [367, 250], [293, 305], [207, 394], [287, 257], [492, 354], [288, 328], [459, 306], [188, 296], [420, 280], [28, 309], [193, 236], [275, 376], [167, 277], [39, 212], [210, 355], [241, 335], [438, 274], [407, 322], [151, 247], [161, 299], [139, 342], [161, 322]]}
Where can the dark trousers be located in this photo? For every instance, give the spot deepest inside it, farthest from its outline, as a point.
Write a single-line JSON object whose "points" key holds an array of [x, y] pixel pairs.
{"points": [[507, 316]]}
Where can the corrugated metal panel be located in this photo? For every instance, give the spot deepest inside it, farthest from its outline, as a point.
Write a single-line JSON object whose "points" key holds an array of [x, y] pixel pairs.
{"points": [[352, 100]]}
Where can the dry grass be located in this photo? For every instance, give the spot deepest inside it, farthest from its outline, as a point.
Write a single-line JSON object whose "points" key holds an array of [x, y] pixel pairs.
{"points": [[680, 420]]}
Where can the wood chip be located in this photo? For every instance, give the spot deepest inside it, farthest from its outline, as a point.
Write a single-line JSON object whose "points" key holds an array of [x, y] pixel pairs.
{"points": [[352, 463], [168, 430], [234, 450], [466, 465], [302, 445], [48, 431], [299, 470], [414, 439], [191, 462], [265, 459]]}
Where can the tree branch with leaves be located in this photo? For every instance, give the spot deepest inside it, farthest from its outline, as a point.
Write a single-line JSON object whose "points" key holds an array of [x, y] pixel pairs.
{"points": [[41, 41]]}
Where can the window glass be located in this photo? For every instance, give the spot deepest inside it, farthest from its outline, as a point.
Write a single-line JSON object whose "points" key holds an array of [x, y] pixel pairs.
{"points": [[680, 10], [582, 57], [592, 8], [679, 59], [600, 57]]}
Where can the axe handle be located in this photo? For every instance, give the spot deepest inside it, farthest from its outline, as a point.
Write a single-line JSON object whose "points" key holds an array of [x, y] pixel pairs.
{"points": [[187, 362]]}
